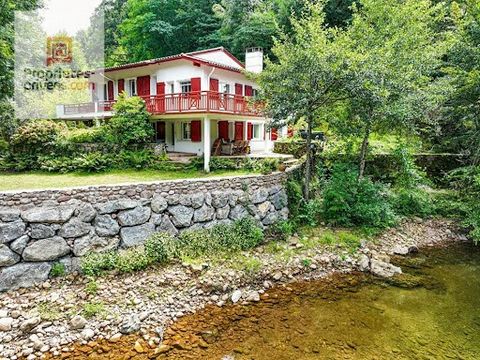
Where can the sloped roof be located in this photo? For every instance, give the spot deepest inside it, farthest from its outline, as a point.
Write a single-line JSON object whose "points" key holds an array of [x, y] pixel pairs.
{"points": [[184, 56]]}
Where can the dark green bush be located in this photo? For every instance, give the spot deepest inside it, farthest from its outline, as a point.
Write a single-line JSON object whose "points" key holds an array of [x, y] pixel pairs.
{"points": [[38, 137], [130, 124], [86, 136], [413, 202], [350, 201]]}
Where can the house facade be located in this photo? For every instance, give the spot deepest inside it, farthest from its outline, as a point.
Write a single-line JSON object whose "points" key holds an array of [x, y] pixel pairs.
{"points": [[196, 100]]}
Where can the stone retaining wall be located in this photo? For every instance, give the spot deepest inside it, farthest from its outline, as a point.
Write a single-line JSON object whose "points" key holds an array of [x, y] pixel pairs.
{"points": [[39, 228]]}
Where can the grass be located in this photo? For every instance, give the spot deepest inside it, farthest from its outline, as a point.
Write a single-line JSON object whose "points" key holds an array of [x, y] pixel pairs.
{"points": [[44, 180]]}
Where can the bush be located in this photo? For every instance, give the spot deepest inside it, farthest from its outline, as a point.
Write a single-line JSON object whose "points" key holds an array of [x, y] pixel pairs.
{"points": [[36, 137], [58, 270], [282, 230], [349, 201], [130, 125], [85, 136], [412, 202]]}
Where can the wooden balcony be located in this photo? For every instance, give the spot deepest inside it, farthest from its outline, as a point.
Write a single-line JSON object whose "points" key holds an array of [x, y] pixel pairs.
{"points": [[194, 102]]}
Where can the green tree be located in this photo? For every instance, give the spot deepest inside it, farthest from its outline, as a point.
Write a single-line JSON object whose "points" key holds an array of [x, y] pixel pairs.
{"points": [[396, 52], [130, 125], [460, 119], [308, 77]]}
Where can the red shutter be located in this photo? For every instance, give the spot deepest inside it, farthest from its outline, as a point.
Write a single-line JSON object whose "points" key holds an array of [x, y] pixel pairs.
{"points": [[223, 130], [274, 134], [248, 90], [238, 89], [214, 85], [143, 85], [249, 131], [290, 132], [239, 130], [121, 86], [196, 84], [160, 100], [196, 128], [110, 91]]}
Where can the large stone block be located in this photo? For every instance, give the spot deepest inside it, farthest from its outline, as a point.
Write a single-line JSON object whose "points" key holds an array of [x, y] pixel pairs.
{"points": [[46, 250], [106, 226], [205, 213], [167, 226], [197, 200], [116, 205], [138, 216], [7, 256], [23, 275], [20, 244], [74, 229], [181, 215], [259, 196], [219, 199], [88, 244], [222, 213], [137, 235], [11, 231], [85, 212], [54, 215], [159, 204], [9, 215], [42, 231], [279, 200], [238, 212]]}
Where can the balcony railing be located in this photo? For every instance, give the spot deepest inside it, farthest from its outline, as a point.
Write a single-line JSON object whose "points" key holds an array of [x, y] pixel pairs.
{"points": [[202, 101]]}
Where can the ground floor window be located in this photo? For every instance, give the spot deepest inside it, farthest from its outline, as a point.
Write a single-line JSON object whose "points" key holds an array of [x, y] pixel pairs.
{"points": [[257, 131], [186, 131]]}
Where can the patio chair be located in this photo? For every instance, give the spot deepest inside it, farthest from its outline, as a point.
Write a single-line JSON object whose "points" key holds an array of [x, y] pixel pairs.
{"points": [[217, 147], [237, 147]]}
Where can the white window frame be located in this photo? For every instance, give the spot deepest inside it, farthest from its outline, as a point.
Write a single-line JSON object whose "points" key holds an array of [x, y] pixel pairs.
{"points": [[260, 131], [171, 87], [187, 85], [225, 88], [129, 88], [183, 126]]}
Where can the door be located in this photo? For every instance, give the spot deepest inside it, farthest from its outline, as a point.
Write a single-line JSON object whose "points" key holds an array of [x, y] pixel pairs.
{"points": [[160, 99], [239, 130], [143, 86], [214, 96], [160, 131], [110, 91], [223, 130]]}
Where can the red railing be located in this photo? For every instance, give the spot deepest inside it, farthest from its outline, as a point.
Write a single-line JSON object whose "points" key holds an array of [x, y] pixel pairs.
{"points": [[202, 101]]}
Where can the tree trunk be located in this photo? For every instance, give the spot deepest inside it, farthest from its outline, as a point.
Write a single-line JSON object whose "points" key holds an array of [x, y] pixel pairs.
{"points": [[308, 165], [363, 151]]}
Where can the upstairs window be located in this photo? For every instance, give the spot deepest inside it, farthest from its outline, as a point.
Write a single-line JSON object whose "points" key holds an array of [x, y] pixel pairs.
{"points": [[256, 92], [105, 92], [226, 88], [132, 87], [186, 87], [172, 88]]}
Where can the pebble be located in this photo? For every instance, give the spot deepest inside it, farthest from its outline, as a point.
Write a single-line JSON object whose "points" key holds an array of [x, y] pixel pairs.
{"points": [[237, 294], [88, 334], [6, 324]]}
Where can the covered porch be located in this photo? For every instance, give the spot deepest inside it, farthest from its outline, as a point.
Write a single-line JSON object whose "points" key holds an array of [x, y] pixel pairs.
{"points": [[211, 135]]}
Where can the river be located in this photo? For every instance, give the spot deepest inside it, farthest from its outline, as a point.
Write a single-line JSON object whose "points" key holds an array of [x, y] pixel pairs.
{"points": [[430, 312]]}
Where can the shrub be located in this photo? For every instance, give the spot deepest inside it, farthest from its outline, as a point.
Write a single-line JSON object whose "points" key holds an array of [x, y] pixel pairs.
{"points": [[406, 174], [412, 202], [94, 264], [350, 201], [282, 230], [93, 309], [86, 136], [36, 137], [130, 125], [310, 212]]}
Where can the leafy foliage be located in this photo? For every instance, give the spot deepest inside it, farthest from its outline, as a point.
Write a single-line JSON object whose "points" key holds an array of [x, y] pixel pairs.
{"points": [[130, 125], [161, 248], [350, 201]]}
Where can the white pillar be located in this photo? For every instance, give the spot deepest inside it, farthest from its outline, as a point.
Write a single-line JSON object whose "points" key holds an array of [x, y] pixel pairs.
{"points": [[206, 143], [245, 130]]}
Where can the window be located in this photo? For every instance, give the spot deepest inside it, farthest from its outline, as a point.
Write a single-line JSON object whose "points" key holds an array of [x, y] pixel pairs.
{"points": [[186, 87], [257, 131], [186, 131], [255, 93], [172, 88], [132, 87], [226, 88], [105, 92]]}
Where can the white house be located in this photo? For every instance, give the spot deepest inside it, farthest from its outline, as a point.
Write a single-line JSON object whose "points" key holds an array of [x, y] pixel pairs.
{"points": [[194, 98]]}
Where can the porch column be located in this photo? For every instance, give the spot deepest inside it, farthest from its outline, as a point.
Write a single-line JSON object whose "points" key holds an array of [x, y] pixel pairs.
{"points": [[245, 130], [206, 143]]}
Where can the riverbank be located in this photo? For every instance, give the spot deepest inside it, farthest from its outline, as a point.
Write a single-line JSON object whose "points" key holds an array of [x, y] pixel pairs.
{"points": [[94, 315]]}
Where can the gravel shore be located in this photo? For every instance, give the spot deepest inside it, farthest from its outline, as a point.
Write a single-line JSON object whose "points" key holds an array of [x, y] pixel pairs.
{"points": [[52, 318]]}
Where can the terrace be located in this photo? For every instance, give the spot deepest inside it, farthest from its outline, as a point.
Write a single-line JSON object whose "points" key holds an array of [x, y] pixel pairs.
{"points": [[179, 103]]}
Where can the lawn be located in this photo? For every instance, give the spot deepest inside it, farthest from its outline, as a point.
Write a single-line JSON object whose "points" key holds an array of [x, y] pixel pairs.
{"points": [[43, 180]]}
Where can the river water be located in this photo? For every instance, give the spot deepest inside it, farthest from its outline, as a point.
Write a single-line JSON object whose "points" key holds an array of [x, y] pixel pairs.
{"points": [[430, 312]]}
